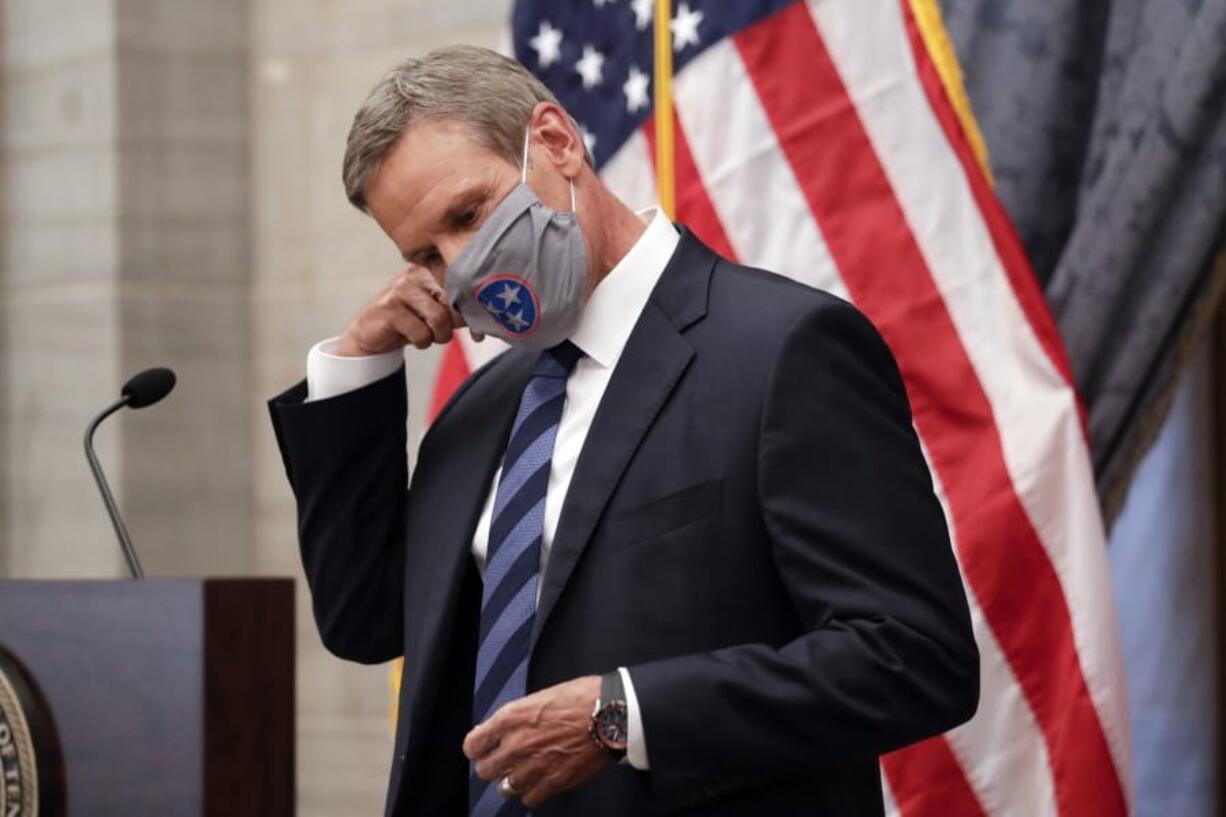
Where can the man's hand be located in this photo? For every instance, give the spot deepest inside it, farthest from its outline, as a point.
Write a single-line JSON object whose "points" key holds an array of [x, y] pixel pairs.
{"points": [[541, 741], [411, 309]]}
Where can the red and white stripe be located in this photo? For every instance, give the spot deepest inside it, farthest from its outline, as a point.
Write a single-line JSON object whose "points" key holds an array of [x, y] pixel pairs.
{"points": [[820, 143]]}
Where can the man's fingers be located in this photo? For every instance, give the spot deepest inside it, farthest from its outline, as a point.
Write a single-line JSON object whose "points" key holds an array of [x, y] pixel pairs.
{"points": [[411, 284], [498, 763], [497, 737], [426, 306], [419, 279], [479, 742], [491, 758], [507, 753], [411, 327], [435, 316], [422, 278], [412, 308]]}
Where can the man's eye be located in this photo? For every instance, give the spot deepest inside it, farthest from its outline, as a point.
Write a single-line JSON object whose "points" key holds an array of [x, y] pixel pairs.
{"points": [[467, 218], [431, 259]]}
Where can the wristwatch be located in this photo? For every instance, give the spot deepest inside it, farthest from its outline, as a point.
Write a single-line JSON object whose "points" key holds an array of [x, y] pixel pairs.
{"points": [[610, 717]]}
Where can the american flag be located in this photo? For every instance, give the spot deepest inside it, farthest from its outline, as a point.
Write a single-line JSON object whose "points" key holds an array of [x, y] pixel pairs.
{"points": [[829, 141]]}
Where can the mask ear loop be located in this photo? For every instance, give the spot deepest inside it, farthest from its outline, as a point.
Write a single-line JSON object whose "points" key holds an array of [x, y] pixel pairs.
{"points": [[523, 173]]}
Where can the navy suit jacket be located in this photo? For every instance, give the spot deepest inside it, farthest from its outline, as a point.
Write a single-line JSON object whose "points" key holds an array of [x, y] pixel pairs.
{"points": [[751, 529]]}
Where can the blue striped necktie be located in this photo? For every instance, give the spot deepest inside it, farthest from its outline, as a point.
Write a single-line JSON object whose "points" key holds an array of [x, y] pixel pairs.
{"points": [[513, 558]]}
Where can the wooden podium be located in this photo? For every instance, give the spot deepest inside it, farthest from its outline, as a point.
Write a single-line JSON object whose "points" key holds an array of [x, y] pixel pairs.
{"points": [[170, 697]]}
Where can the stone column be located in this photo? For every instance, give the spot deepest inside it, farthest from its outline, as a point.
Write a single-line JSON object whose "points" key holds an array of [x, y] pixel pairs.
{"points": [[184, 231], [125, 244], [59, 276]]}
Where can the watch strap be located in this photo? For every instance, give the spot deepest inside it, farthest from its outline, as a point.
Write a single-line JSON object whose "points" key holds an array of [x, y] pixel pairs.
{"points": [[611, 687]]}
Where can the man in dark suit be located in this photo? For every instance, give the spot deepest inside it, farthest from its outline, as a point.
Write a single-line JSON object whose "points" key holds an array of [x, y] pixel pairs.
{"points": [[688, 557]]}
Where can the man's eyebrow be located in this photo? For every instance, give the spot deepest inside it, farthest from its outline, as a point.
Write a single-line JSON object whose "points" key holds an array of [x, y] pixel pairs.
{"points": [[465, 200]]}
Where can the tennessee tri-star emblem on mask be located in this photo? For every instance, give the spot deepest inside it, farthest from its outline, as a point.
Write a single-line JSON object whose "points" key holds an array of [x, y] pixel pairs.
{"points": [[511, 301]]}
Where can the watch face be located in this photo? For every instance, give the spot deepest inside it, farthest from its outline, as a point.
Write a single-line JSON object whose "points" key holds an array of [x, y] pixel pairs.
{"points": [[611, 726]]}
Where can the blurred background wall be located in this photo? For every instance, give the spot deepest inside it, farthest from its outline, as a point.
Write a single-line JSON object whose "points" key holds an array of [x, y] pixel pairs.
{"points": [[126, 235], [170, 195]]}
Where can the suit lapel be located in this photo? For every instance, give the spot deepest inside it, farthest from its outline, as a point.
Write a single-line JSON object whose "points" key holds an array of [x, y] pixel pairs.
{"points": [[653, 361]]}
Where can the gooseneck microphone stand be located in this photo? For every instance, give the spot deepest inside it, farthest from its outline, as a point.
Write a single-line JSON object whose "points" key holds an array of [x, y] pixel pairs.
{"points": [[121, 530], [142, 389]]}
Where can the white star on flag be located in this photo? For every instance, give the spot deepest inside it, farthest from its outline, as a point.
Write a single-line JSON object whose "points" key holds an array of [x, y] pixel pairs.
{"points": [[642, 13], [590, 67], [635, 89], [600, 3], [509, 295], [548, 44], [685, 27]]}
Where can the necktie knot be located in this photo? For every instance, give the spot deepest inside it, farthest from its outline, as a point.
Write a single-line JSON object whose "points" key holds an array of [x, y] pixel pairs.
{"points": [[558, 361]]}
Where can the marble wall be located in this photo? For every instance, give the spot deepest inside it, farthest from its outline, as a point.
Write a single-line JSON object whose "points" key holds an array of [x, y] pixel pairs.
{"points": [[59, 279], [184, 232], [170, 195], [125, 203]]}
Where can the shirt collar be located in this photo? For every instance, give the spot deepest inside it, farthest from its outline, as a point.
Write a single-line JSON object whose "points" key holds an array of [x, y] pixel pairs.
{"points": [[615, 304]]}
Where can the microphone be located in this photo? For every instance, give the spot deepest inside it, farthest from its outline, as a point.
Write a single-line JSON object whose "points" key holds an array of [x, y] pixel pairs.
{"points": [[143, 389]]}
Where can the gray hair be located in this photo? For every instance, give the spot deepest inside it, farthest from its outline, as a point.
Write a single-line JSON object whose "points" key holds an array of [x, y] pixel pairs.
{"points": [[492, 94]]}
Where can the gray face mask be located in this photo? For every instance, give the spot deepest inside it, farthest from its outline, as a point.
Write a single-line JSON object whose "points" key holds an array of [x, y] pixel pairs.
{"points": [[523, 276]]}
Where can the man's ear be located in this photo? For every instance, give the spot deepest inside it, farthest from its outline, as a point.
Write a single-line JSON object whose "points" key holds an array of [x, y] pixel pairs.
{"points": [[563, 146]]}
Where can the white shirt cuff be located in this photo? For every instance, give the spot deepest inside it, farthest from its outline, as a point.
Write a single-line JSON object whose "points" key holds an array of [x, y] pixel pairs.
{"points": [[329, 374], [636, 743]]}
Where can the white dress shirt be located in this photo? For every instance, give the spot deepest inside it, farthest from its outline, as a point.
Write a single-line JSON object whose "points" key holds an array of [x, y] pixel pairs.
{"points": [[604, 327]]}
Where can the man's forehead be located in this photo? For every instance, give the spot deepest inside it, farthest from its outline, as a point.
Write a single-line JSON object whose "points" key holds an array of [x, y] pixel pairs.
{"points": [[431, 166], [427, 154]]}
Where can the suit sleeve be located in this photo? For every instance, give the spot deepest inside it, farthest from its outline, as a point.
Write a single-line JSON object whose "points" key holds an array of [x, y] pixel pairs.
{"points": [[347, 465], [860, 542]]}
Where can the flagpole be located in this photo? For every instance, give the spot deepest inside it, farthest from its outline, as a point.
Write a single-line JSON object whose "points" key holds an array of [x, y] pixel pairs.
{"points": [[927, 15], [665, 172]]}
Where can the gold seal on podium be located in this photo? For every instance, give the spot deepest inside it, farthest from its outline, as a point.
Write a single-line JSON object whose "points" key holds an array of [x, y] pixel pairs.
{"points": [[31, 779]]}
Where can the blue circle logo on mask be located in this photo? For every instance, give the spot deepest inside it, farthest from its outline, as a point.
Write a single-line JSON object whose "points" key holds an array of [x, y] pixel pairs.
{"points": [[511, 301]]}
